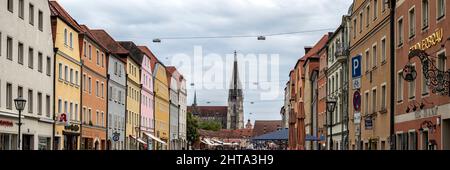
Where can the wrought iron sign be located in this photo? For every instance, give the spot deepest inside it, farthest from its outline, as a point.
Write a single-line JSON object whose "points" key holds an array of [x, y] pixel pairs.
{"points": [[437, 80]]}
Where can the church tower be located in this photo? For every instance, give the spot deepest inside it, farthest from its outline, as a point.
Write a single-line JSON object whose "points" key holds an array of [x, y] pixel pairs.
{"points": [[235, 114]]}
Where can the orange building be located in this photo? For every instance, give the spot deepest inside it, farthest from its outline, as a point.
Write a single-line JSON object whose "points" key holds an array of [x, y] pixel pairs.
{"points": [[322, 94], [94, 91]]}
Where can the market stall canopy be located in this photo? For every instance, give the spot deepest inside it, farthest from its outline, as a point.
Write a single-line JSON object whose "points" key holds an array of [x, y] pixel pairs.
{"points": [[277, 135], [155, 138]]}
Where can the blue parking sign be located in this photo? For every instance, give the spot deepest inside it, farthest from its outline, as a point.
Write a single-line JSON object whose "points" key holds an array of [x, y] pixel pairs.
{"points": [[356, 66]]}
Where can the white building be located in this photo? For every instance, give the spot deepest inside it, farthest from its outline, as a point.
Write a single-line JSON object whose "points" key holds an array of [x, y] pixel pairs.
{"points": [[26, 60], [182, 113], [338, 86]]}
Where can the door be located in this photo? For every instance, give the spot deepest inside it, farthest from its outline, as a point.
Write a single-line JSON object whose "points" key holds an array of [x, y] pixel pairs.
{"points": [[446, 134], [27, 143]]}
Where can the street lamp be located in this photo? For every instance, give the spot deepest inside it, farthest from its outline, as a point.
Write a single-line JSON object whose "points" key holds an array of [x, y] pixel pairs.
{"points": [[331, 105], [20, 105]]}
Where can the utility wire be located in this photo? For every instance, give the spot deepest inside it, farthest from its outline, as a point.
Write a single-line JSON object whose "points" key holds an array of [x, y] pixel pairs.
{"points": [[244, 36]]}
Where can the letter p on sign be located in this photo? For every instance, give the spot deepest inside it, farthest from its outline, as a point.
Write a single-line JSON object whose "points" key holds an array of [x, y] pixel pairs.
{"points": [[356, 66]]}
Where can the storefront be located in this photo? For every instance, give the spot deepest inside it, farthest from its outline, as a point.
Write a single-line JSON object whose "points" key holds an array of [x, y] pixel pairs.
{"points": [[8, 133], [93, 139]]}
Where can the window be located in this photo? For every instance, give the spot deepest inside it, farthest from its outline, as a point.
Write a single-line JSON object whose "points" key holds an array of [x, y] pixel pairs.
{"points": [[65, 107], [366, 103], [41, 21], [98, 57], [49, 66], [30, 58], [40, 62], [367, 16], [76, 78], [103, 60], [120, 96], [60, 71], [39, 103], [374, 56], [10, 6], [20, 91], [90, 52], [115, 68], [97, 118], [425, 88], [441, 61], [412, 89], [84, 49], [31, 14], [20, 53], [84, 82], [400, 87], [103, 119], [374, 101], [66, 73], [47, 106], [400, 32], [9, 97], [383, 50], [360, 22], [59, 106], [21, 9], [412, 23], [89, 116], [71, 40], [375, 9], [110, 93], [30, 101], [9, 48], [65, 36], [102, 90], [90, 85], [71, 76], [97, 89], [383, 97], [425, 14], [367, 60], [412, 141], [440, 9], [0, 43], [71, 111]]}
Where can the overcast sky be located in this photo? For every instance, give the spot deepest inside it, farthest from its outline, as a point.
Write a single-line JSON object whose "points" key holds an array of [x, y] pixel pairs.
{"points": [[143, 20]]}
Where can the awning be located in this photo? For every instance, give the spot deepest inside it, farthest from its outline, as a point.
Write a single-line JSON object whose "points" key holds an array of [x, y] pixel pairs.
{"points": [[141, 141], [155, 138]]}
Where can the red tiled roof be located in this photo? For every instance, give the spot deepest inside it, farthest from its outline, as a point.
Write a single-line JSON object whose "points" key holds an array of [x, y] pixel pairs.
{"points": [[266, 126], [110, 44], [315, 50], [57, 10], [86, 31]]}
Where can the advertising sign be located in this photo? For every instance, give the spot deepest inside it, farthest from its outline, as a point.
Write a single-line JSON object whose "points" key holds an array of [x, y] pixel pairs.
{"points": [[356, 66]]}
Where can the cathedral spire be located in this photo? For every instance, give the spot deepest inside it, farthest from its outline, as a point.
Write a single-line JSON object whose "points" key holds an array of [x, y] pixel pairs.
{"points": [[235, 115], [235, 81], [195, 99]]}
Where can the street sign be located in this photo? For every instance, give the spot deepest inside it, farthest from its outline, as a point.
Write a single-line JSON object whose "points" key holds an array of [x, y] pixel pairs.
{"points": [[116, 136], [356, 83], [357, 101], [356, 66], [357, 117], [368, 123]]}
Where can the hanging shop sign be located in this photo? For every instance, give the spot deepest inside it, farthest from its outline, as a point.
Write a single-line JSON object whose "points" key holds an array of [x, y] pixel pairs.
{"points": [[74, 128], [432, 40], [368, 123]]}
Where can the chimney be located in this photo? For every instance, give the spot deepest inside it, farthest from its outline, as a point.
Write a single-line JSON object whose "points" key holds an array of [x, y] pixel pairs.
{"points": [[307, 49]]}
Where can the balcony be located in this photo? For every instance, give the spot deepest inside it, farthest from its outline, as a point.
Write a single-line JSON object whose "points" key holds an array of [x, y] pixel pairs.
{"points": [[342, 53]]}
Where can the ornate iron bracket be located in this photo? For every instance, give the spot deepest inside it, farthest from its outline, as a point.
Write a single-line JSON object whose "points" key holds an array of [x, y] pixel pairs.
{"points": [[437, 80]]}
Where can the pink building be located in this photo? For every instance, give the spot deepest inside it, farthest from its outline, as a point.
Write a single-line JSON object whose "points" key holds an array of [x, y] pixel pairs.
{"points": [[147, 116]]}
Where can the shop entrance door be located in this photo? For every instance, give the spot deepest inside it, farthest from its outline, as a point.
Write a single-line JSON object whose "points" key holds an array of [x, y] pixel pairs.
{"points": [[27, 143], [446, 134]]}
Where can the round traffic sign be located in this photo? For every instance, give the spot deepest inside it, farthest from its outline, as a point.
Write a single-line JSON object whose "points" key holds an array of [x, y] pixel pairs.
{"points": [[357, 101]]}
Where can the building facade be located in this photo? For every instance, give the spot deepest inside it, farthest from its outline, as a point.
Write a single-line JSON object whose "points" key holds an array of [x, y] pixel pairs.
{"points": [[94, 91], [172, 77], [67, 79], [117, 80], [162, 114], [147, 101], [322, 98], [134, 60], [338, 84], [369, 37], [26, 49], [182, 94], [422, 116]]}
